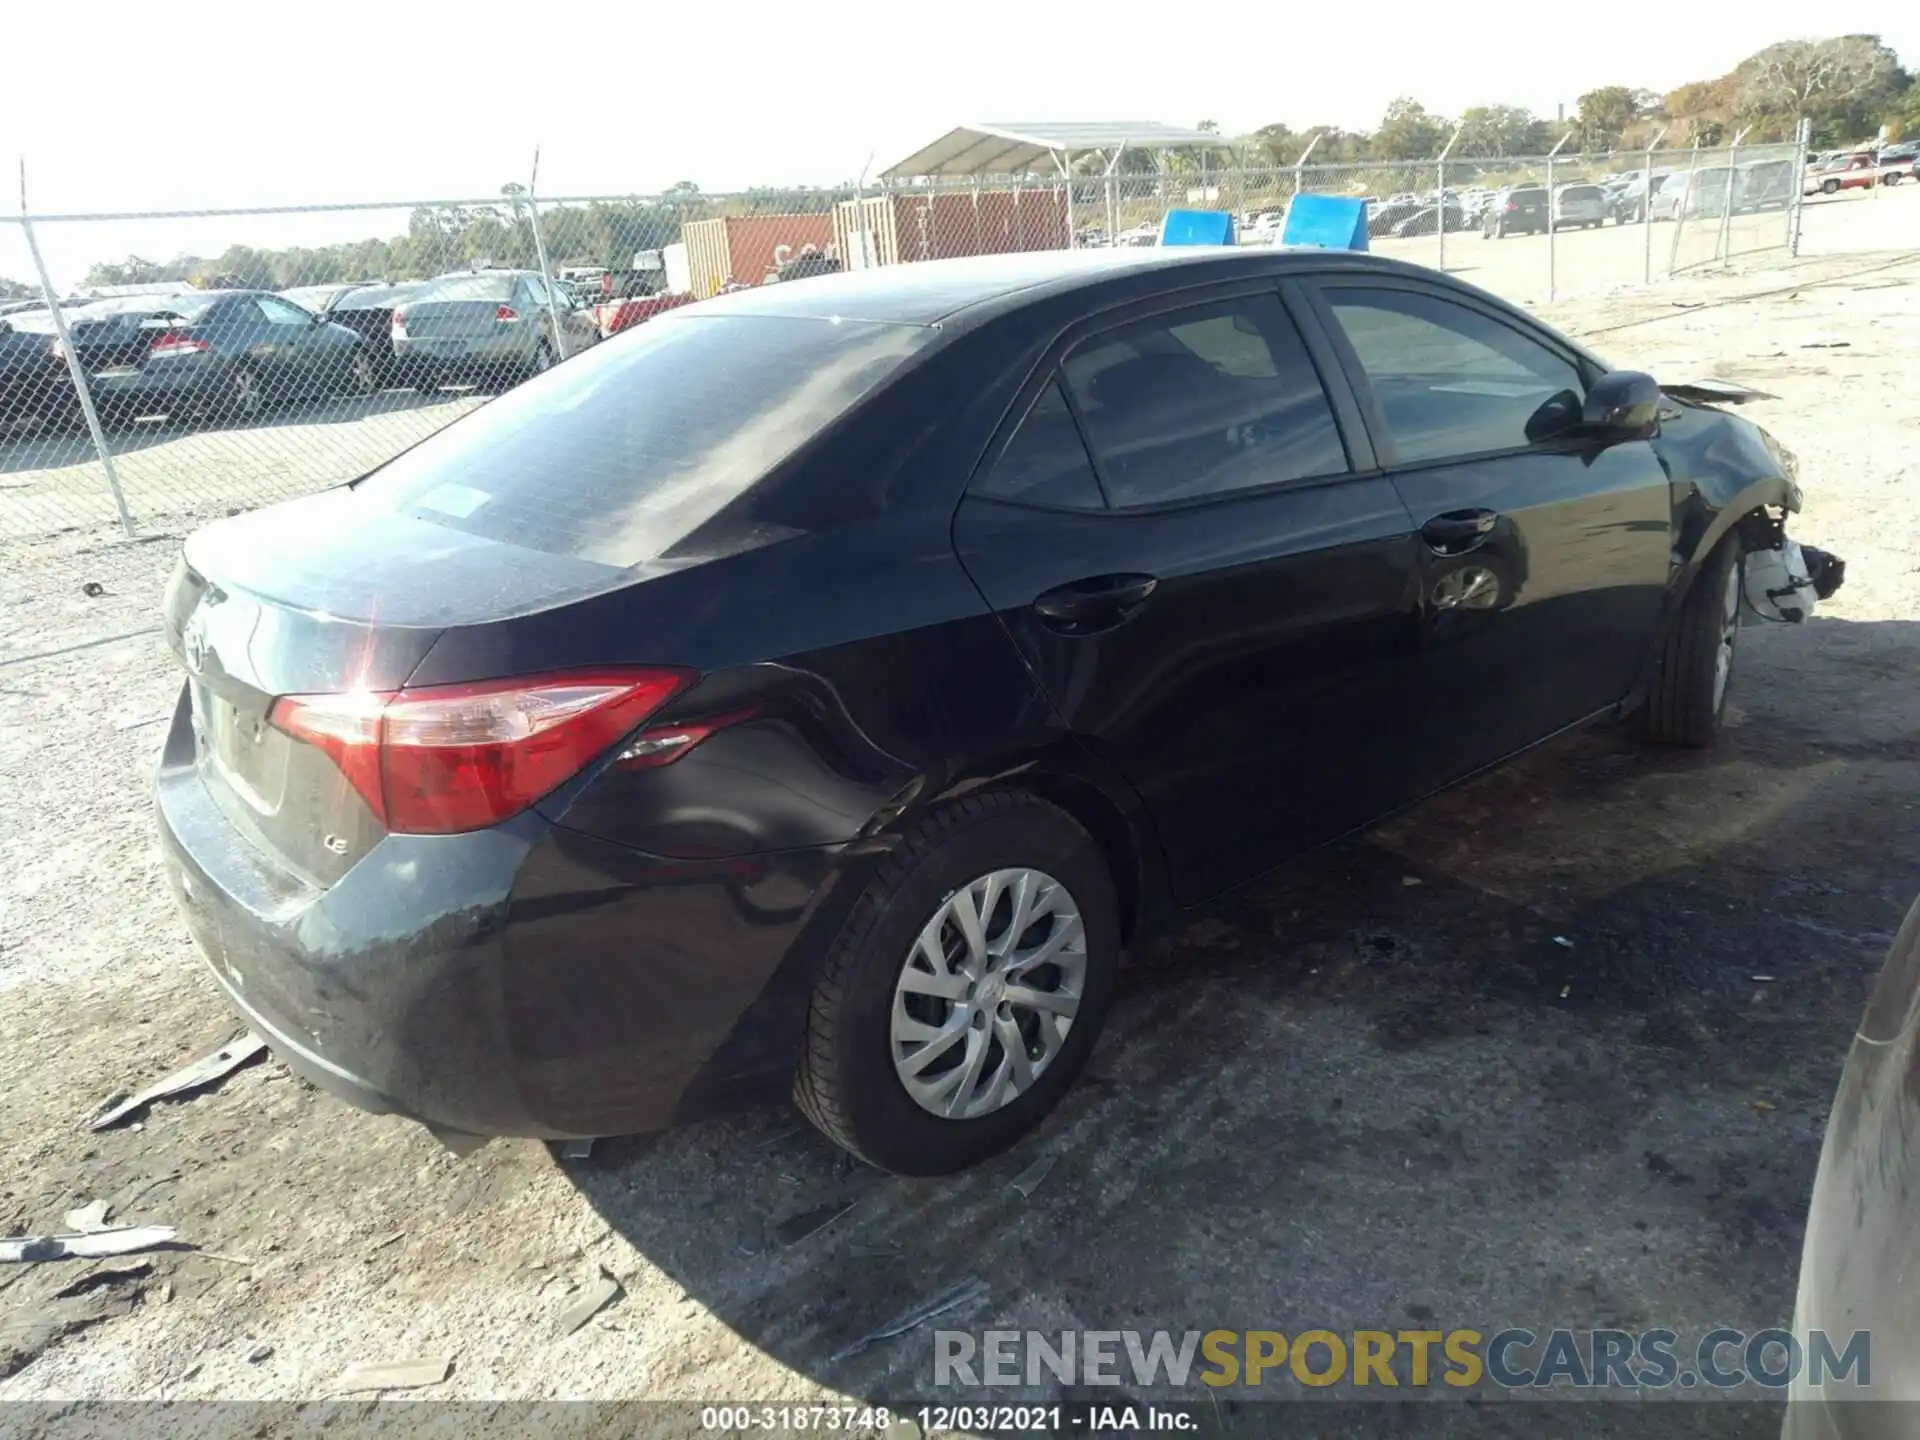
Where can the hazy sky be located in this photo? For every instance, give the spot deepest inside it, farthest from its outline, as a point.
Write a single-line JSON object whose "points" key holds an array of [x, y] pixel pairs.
{"points": [[220, 104]]}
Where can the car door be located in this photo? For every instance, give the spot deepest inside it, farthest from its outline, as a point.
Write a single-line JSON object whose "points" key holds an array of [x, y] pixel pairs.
{"points": [[1182, 529], [293, 342], [1545, 554]]}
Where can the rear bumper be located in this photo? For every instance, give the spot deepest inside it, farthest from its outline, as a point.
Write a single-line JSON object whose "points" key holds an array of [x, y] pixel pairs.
{"points": [[526, 980], [452, 354]]}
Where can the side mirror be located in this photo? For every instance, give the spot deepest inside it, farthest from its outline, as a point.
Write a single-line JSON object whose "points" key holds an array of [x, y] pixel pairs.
{"points": [[1622, 403]]}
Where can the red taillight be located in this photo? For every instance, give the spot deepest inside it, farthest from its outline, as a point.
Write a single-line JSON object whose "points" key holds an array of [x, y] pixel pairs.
{"points": [[444, 758], [175, 342], [506, 315], [399, 323], [1513, 204]]}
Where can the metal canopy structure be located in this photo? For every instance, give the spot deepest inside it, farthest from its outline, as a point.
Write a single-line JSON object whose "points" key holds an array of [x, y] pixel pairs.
{"points": [[1013, 149]]}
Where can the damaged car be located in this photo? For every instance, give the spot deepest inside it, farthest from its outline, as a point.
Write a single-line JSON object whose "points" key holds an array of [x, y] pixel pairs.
{"points": [[822, 686]]}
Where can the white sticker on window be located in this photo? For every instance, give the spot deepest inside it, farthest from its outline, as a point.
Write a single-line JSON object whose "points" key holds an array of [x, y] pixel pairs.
{"points": [[459, 501]]}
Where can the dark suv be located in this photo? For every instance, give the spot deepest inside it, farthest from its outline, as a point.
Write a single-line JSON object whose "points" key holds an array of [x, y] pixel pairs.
{"points": [[1516, 210]]}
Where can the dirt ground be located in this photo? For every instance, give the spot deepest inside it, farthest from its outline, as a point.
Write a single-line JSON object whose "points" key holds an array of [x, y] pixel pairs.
{"points": [[1339, 1099]]}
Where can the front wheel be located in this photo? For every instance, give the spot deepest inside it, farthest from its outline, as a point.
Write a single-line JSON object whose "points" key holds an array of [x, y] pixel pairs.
{"points": [[1688, 696], [358, 377], [965, 989]]}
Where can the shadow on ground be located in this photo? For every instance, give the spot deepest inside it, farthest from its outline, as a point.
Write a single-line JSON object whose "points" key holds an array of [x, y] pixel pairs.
{"points": [[1553, 1050]]}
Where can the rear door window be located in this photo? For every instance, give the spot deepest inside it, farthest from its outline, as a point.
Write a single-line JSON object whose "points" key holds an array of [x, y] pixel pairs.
{"points": [[625, 450], [1046, 461], [1203, 402]]}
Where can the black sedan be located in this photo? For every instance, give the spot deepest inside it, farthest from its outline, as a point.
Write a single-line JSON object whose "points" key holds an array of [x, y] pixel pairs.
{"points": [[368, 311], [224, 356], [827, 682], [35, 384]]}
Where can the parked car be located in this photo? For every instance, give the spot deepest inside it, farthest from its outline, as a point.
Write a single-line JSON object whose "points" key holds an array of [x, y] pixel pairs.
{"points": [[787, 690], [318, 298], [367, 310], [1382, 219], [1764, 185], [34, 381], [1579, 206], [1428, 218], [484, 327], [1515, 210], [1628, 198], [1865, 1209], [1859, 170], [1701, 192], [215, 355], [618, 315]]}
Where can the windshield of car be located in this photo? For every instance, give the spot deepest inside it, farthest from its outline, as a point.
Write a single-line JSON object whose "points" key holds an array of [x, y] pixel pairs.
{"points": [[626, 449], [468, 287]]}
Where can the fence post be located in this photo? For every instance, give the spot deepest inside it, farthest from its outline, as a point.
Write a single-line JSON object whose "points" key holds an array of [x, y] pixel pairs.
{"points": [[79, 374], [546, 272], [1301, 164], [1646, 207], [1553, 275], [1723, 242], [1440, 199], [1803, 136], [1680, 208]]}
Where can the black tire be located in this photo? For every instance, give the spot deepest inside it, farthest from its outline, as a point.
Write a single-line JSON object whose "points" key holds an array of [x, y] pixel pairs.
{"points": [[1686, 700], [357, 376], [846, 1084], [541, 363], [1829, 187]]}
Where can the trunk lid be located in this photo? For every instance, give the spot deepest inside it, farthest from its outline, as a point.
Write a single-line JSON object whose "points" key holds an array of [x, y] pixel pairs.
{"points": [[453, 319], [325, 596]]}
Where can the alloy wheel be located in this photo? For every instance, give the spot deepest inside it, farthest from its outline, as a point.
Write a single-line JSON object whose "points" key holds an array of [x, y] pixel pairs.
{"points": [[988, 993]]}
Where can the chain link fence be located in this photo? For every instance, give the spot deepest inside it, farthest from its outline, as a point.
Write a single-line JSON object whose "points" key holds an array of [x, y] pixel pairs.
{"points": [[260, 354]]}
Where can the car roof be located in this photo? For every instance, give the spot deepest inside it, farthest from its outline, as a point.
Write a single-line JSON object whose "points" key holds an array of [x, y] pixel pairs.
{"points": [[943, 292]]}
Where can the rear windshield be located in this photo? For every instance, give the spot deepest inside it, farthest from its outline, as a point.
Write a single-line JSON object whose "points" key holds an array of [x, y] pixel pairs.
{"points": [[625, 450], [1581, 192], [1528, 192], [374, 295], [468, 287]]}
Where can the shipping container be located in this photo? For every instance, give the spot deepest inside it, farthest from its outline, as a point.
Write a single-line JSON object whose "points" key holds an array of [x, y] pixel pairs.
{"points": [[745, 249], [940, 224]]}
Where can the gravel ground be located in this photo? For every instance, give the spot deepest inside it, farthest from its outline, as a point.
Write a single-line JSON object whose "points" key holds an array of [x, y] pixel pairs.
{"points": [[1338, 1099]]}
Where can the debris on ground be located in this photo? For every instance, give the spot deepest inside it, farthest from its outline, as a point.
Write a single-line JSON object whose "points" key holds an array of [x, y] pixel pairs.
{"points": [[1410, 880], [576, 1150], [86, 1247], [1763, 1106], [1761, 979], [1028, 1180], [143, 721], [597, 1296], [259, 1353], [207, 1070], [796, 1228], [1563, 942], [953, 1297], [392, 1374], [93, 589], [87, 1218]]}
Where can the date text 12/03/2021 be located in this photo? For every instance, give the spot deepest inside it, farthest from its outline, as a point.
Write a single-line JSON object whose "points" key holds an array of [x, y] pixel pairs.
{"points": [[943, 1419]]}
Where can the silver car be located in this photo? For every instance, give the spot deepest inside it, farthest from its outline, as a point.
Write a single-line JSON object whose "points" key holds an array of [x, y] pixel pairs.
{"points": [[1575, 207], [487, 327]]}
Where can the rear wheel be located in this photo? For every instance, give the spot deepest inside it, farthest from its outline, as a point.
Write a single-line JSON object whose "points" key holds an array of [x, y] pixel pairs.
{"points": [[966, 988], [1695, 665], [238, 400], [1829, 187], [541, 363], [358, 377]]}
